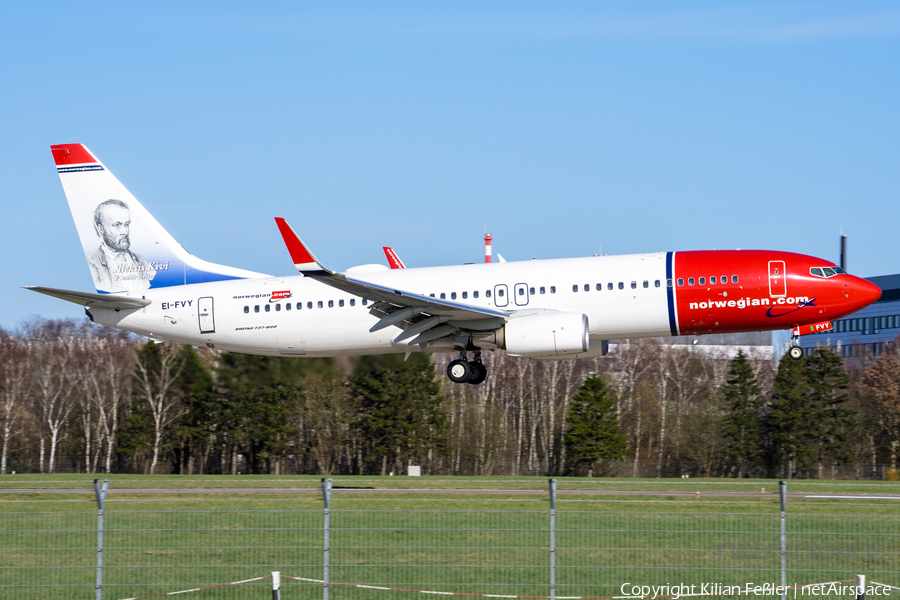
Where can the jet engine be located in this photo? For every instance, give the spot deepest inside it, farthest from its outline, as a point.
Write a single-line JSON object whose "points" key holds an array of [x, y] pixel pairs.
{"points": [[548, 334]]}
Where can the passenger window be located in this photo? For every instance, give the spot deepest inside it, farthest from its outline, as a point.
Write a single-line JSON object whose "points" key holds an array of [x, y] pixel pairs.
{"points": [[331, 304], [552, 289], [256, 308], [246, 309], [646, 283], [575, 288], [432, 295], [309, 305], [352, 301], [341, 303], [487, 293], [734, 279], [680, 281], [703, 281], [443, 296], [500, 292], [277, 308], [299, 306], [365, 301], [465, 295], [656, 283], [690, 281], [268, 307], [521, 291], [634, 285], [669, 282], [453, 295], [599, 287], [475, 294], [531, 291], [587, 287], [621, 285], [609, 286], [287, 306], [543, 290], [712, 280], [320, 305]]}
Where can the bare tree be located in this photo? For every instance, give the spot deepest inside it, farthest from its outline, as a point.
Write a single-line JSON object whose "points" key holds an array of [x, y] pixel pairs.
{"points": [[157, 369], [55, 381], [15, 385]]}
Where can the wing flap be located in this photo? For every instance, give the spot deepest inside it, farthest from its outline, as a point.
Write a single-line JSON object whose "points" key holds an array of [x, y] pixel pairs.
{"points": [[89, 299]]}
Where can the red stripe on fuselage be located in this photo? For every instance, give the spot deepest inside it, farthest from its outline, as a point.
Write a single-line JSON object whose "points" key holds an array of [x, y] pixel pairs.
{"points": [[748, 304]]}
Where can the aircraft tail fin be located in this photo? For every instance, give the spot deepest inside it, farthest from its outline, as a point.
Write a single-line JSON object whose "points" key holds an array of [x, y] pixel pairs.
{"points": [[126, 248]]}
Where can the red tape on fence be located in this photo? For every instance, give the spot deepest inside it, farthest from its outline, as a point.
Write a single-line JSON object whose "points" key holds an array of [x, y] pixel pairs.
{"points": [[199, 589]]}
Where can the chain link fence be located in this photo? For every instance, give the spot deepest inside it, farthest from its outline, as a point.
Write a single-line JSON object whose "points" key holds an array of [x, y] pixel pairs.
{"points": [[550, 544]]}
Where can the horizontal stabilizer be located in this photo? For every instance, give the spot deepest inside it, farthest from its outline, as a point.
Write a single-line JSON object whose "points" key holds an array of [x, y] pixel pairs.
{"points": [[89, 299]]}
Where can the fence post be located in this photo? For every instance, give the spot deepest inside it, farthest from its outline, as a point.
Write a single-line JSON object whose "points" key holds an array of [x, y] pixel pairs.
{"points": [[276, 585], [860, 587], [100, 492], [552, 539], [782, 492], [326, 497]]}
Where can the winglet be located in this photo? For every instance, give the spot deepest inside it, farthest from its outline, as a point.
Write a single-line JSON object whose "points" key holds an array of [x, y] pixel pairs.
{"points": [[303, 259], [392, 258]]}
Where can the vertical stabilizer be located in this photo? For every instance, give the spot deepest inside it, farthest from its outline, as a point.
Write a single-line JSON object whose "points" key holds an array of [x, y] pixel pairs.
{"points": [[127, 250]]}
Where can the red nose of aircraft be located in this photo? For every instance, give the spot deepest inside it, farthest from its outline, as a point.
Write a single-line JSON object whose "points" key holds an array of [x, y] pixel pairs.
{"points": [[865, 292]]}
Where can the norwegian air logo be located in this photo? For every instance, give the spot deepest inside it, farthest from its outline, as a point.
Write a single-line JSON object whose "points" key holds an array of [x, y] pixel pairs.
{"points": [[791, 303], [276, 296]]}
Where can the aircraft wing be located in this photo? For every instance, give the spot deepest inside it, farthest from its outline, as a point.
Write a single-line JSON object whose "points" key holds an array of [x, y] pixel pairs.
{"points": [[416, 313], [89, 299]]}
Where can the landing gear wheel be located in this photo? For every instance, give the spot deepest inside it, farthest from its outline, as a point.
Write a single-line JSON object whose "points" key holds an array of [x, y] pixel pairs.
{"points": [[480, 373], [796, 352], [459, 371]]}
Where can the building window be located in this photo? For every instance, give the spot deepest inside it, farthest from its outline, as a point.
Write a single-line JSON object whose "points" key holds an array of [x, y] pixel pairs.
{"points": [[246, 309]]}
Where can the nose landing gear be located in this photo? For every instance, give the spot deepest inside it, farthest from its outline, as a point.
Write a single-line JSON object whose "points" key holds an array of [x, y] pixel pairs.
{"points": [[463, 371], [795, 351]]}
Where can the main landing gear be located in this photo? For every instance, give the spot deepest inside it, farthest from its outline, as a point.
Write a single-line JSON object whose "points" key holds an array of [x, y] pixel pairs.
{"points": [[463, 371]]}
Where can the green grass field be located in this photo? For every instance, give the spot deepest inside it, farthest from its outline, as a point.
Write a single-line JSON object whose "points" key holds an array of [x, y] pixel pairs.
{"points": [[496, 543]]}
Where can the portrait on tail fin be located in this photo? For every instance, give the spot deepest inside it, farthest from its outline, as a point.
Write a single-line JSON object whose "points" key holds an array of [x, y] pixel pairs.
{"points": [[114, 267]]}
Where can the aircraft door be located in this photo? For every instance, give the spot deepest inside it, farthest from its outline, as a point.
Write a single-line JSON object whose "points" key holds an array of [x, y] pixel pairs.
{"points": [[501, 295], [521, 293], [777, 279], [205, 311]]}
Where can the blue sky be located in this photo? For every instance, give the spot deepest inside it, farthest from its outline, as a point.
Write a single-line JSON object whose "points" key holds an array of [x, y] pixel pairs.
{"points": [[563, 128]]}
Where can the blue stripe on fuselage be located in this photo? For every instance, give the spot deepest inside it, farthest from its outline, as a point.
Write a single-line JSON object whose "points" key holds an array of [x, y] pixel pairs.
{"points": [[670, 293]]}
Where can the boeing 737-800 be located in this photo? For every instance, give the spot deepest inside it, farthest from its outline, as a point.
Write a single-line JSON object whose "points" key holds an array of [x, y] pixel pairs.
{"points": [[148, 284]]}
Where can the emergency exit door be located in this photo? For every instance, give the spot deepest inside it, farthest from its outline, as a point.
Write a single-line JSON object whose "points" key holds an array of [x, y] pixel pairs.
{"points": [[777, 279], [205, 312]]}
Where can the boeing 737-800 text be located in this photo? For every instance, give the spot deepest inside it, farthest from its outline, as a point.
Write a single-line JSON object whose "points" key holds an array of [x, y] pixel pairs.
{"points": [[541, 309]]}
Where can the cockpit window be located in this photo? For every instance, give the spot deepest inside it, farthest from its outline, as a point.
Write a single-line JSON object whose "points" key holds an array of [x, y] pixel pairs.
{"points": [[825, 272]]}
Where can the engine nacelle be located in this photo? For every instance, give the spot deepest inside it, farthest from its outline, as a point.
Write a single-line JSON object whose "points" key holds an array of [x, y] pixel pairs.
{"points": [[546, 334]]}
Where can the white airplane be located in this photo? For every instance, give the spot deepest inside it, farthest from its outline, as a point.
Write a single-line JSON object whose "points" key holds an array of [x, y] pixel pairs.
{"points": [[148, 284]]}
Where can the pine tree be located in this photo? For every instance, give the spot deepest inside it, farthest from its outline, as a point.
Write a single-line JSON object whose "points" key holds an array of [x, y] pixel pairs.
{"points": [[743, 422], [790, 415], [593, 429], [828, 388]]}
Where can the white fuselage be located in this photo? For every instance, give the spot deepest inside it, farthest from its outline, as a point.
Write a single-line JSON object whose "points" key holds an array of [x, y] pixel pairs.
{"points": [[252, 315]]}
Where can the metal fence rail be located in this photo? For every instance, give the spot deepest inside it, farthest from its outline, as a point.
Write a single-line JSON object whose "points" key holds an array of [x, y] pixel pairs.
{"points": [[554, 547]]}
